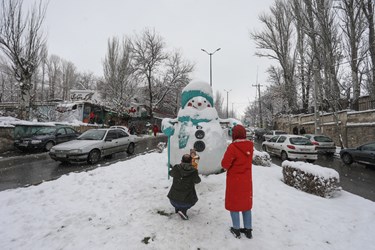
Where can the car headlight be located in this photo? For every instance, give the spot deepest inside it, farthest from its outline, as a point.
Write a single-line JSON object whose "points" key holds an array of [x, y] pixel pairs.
{"points": [[52, 150], [36, 141], [75, 151]]}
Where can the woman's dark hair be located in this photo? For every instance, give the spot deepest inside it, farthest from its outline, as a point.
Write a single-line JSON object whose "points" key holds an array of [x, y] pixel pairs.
{"points": [[186, 158]]}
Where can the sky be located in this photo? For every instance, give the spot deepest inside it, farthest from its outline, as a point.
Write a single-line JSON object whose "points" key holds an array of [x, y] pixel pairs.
{"points": [[78, 31], [125, 205]]}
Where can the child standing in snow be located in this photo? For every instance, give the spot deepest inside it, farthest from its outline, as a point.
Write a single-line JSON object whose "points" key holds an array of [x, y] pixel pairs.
{"points": [[237, 161], [194, 158], [182, 194]]}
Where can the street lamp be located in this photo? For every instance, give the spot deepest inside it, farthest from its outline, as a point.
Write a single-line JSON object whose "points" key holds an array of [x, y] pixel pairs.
{"points": [[227, 100], [210, 54]]}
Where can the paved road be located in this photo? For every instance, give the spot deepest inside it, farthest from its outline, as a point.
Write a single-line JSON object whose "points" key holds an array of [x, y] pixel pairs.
{"points": [[31, 169], [356, 178]]}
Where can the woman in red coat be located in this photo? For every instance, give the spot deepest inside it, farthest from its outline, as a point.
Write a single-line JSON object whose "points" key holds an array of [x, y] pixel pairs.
{"points": [[237, 161]]}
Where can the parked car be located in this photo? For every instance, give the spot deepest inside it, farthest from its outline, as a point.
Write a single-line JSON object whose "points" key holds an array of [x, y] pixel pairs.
{"points": [[44, 138], [323, 143], [269, 134], [93, 145], [121, 127], [259, 132], [291, 147], [364, 154], [250, 134]]}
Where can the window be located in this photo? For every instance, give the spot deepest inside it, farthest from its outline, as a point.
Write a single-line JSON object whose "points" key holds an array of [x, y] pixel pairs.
{"points": [[70, 131], [112, 134], [281, 139], [122, 133], [61, 131]]}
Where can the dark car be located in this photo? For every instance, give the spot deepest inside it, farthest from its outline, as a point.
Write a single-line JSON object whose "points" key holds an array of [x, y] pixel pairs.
{"points": [[364, 154], [44, 138]]}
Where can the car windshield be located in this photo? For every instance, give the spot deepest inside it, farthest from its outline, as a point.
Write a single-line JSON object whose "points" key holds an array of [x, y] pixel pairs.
{"points": [[300, 141], [45, 131], [92, 134], [321, 138]]}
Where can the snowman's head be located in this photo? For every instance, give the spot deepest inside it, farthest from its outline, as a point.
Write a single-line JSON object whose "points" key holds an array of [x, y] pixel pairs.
{"points": [[197, 95], [198, 102]]}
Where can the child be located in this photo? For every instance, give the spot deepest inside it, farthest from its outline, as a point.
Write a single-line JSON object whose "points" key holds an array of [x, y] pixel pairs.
{"points": [[194, 158]]}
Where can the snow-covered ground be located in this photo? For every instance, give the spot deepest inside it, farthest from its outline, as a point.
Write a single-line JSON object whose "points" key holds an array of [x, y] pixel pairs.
{"points": [[124, 206]]}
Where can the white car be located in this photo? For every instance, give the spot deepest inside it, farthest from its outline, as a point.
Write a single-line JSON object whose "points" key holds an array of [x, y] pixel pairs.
{"points": [[291, 147], [93, 145], [323, 143], [268, 135]]}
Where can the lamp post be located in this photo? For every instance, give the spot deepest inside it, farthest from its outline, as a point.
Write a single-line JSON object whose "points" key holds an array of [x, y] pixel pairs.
{"points": [[210, 54], [227, 100]]}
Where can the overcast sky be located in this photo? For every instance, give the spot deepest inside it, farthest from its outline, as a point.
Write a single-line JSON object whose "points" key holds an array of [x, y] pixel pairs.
{"points": [[78, 31]]}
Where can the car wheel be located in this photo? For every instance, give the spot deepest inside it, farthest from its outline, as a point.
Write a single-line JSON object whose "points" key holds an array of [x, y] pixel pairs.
{"points": [[347, 158], [94, 156], [48, 146], [284, 156], [264, 147], [130, 149], [310, 161]]}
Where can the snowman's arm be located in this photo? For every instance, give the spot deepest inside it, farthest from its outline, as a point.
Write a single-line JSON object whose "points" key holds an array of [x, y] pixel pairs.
{"points": [[167, 126]]}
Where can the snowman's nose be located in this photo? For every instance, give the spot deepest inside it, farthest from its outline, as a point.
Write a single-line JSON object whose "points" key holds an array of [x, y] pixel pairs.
{"points": [[199, 104]]}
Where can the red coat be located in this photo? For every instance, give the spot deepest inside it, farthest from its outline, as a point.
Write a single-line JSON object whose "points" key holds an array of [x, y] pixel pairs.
{"points": [[237, 161]]}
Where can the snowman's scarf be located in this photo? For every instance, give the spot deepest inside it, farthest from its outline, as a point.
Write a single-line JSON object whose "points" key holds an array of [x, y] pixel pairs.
{"points": [[183, 136]]}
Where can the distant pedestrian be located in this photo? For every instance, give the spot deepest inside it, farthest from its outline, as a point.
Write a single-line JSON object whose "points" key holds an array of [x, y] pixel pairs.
{"points": [[132, 129], [302, 131], [237, 161], [155, 129], [295, 130], [182, 194]]}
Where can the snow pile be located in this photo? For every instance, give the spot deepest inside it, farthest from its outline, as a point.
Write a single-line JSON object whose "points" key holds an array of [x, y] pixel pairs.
{"points": [[311, 178], [261, 158], [124, 206]]}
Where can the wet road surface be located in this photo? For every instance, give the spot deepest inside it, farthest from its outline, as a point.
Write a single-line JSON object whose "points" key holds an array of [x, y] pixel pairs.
{"points": [[31, 169]]}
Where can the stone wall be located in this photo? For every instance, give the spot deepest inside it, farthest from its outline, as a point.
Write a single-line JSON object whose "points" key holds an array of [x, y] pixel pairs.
{"points": [[355, 128]]}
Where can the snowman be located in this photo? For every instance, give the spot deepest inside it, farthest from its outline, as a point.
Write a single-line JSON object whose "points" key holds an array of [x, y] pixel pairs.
{"points": [[198, 127]]}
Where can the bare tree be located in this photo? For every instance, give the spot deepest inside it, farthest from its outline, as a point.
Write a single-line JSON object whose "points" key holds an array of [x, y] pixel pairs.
{"points": [[219, 104], [368, 9], [353, 29], [54, 75], [149, 55], [176, 78], [118, 70], [69, 77], [21, 40], [276, 42]]}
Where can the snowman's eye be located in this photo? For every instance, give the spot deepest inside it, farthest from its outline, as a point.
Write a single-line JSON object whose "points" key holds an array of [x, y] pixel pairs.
{"points": [[192, 100], [204, 101]]}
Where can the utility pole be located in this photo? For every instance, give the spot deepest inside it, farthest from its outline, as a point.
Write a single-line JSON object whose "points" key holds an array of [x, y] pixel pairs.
{"points": [[260, 102], [227, 100]]}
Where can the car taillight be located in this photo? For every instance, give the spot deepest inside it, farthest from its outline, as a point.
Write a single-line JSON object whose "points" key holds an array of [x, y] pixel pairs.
{"points": [[291, 146], [315, 143]]}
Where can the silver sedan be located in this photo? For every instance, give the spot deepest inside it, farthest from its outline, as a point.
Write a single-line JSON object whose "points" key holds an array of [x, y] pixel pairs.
{"points": [[93, 145]]}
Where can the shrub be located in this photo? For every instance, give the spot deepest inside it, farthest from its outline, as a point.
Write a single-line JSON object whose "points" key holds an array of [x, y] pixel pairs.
{"points": [[311, 178], [261, 158]]}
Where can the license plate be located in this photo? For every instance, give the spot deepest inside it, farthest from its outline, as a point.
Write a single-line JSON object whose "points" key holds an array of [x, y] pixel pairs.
{"points": [[61, 155], [305, 150]]}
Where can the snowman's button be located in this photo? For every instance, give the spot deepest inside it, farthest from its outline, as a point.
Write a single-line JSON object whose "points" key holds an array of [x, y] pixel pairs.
{"points": [[199, 134], [199, 146]]}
